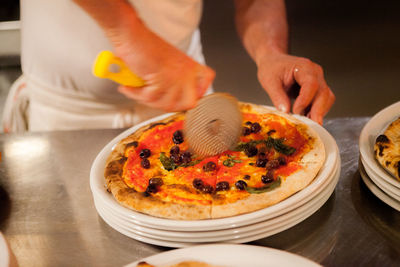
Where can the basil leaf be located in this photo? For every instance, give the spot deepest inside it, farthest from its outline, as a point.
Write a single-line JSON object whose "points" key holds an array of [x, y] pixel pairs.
{"points": [[192, 163], [266, 188], [168, 163], [228, 163], [282, 148], [241, 146]]}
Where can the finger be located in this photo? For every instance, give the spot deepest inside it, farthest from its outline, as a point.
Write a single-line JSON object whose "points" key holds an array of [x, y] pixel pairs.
{"points": [[278, 96], [189, 96], [308, 90], [321, 105], [168, 102], [204, 80], [130, 92]]}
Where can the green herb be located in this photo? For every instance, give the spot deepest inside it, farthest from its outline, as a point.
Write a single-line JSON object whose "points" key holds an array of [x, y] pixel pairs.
{"points": [[170, 165], [230, 161], [266, 188], [192, 163], [282, 148], [241, 146], [270, 142], [167, 162]]}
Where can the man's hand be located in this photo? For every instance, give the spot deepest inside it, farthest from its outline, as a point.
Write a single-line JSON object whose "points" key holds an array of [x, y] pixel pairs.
{"points": [[174, 81], [278, 73], [263, 28]]}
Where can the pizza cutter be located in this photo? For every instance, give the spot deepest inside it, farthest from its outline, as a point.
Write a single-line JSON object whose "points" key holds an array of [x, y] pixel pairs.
{"points": [[214, 125], [103, 65]]}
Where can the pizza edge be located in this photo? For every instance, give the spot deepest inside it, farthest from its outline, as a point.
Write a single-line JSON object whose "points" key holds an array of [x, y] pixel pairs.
{"points": [[386, 150]]}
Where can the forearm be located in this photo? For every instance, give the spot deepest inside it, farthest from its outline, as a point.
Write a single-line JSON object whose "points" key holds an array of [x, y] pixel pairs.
{"points": [[132, 39], [262, 26], [113, 16]]}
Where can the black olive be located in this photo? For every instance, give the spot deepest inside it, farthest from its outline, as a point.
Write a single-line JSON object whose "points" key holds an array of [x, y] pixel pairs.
{"points": [[209, 166], [134, 144], [382, 139], [241, 185], [207, 189], [282, 160], [176, 158], [177, 137], [272, 164], [246, 177], [268, 178], [255, 127], [145, 153], [174, 150], [222, 186], [261, 162], [151, 189], [186, 157], [251, 151], [145, 163], [262, 155], [198, 183], [156, 181], [246, 131]]}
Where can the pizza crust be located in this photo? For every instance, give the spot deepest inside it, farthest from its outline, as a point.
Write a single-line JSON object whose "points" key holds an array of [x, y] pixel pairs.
{"points": [[387, 149]]}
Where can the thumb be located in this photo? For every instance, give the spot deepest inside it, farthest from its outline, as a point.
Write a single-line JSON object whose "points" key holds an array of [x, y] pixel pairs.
{"points": [[205, 77], [277, 94]]}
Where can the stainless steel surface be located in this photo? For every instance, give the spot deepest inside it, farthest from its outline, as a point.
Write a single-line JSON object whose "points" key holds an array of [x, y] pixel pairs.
{"points": [[48, 215]]}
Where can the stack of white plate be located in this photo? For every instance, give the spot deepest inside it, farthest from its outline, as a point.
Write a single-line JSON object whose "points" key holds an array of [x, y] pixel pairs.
{"points": [[237, 229], [378, 180]]}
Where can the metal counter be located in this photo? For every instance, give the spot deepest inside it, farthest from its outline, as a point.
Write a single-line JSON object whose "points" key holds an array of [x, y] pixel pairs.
{"points": [[48, 215]]}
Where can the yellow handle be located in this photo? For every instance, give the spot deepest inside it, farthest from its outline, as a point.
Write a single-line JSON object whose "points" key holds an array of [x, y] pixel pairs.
{"points": [[123, 75]]}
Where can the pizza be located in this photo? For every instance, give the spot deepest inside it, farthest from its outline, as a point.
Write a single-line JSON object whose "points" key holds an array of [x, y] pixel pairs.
{"points": [[180, 264], [387, 149], [153, 171]]}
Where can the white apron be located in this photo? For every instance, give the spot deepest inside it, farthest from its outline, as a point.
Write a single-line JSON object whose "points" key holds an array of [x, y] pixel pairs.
{"points": [[57, 90]]}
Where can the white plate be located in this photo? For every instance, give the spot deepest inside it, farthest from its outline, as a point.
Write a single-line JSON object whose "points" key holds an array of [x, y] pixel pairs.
{"points": [[261, 230], [97, 184], [392, 191], [377, 191], [375, 126], [217, 235], [229, 255]]}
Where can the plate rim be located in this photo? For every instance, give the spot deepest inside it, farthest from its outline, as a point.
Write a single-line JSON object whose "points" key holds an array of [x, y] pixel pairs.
{"points": [[213, 250], [382, 184], [376, 190]]}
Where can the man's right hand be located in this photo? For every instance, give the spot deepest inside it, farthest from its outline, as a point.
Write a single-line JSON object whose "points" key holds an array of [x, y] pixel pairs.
{"points": [[174, 81]]}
